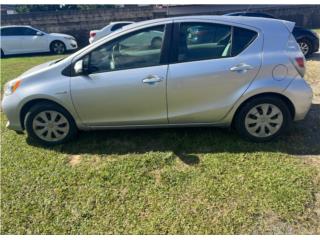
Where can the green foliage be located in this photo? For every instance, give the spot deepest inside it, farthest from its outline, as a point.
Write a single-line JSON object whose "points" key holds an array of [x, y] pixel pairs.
{"points": [[55, 7]]}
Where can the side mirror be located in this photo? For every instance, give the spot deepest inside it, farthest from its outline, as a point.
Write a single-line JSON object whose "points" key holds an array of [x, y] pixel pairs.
{"points": [[39, 33], [78, 67]]}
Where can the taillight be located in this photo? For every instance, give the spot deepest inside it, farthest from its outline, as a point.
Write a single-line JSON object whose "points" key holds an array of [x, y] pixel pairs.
{"points": [[300, 61], [92, 34]]}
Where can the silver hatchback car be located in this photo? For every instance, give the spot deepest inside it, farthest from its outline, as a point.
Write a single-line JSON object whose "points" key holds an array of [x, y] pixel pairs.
{"points": [[186, 71]]}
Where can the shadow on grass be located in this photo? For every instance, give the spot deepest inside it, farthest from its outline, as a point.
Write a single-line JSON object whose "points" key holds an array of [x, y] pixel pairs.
{"points": [[314, 57], [302, 139]]}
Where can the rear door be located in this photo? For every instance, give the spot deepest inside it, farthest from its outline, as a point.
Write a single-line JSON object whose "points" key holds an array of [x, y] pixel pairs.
{"points": [[12, 40], [211, 69]]}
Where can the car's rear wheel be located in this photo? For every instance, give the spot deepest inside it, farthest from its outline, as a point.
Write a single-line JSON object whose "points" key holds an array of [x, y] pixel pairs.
{"points": [[49, 124], [263, 119], [57, 47], [305, 46]]}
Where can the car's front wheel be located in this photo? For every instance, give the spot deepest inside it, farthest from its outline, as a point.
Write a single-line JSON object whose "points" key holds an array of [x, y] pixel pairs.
{"points": [[263, 119], [57, 47], [49, 124]]}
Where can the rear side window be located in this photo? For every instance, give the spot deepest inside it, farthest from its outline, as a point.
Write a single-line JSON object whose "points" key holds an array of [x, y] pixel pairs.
{"points": [[18, 31], [201, 41], [11, 32], [241, 39]]}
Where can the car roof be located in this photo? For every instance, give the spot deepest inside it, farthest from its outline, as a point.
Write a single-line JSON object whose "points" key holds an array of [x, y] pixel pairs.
{"points": [[248, 14], [16, 26], [121, 22], [257, 22]]}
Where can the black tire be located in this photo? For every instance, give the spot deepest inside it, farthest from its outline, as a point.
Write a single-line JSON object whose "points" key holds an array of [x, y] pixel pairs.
{"points": [[305, 44], [45, 106], [57, 47], [239, 121]]}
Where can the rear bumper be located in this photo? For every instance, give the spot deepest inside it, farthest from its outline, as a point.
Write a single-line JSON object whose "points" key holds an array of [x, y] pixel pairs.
{"points": [[300, 94]]}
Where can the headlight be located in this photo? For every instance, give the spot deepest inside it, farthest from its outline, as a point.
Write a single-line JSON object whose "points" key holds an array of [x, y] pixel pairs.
{"points": [[11, 87], [70, 38]]}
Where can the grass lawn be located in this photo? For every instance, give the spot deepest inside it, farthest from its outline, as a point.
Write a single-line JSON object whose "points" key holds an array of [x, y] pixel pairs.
{"points": [[188, 180]]}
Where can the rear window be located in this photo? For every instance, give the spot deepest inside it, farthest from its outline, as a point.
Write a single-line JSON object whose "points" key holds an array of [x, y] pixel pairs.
{"points": [[241, 39], [118, 26]]}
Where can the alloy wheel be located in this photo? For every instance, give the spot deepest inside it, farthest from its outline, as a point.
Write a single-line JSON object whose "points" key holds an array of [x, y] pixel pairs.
{"points": [[58, 47], [304, 47]]}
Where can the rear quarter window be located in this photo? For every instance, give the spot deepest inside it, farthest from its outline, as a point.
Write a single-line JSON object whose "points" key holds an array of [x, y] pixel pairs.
{"points": [[241, 39]]}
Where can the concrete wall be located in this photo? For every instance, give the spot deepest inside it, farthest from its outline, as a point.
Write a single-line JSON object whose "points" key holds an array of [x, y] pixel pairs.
{"points": [[79, 23]]}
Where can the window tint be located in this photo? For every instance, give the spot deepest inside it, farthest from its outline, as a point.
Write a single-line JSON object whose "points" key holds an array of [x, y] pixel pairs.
{"points": [[118, 26], [199, 41], [28, 31], [15, 31], [18, 31], [241, 39], [139, 49], [5, 31]]}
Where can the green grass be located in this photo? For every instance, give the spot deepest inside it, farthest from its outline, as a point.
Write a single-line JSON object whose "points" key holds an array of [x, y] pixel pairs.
{"points": [[196, 181]]}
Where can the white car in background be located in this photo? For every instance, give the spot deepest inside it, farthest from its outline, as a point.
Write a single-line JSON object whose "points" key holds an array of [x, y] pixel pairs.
{"points": [[27, 39], [113, 26]]}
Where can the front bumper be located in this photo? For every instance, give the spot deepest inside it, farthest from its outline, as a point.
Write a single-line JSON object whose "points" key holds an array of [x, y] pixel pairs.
{"points": [[72, 45], [10, 108], [300, 94]]}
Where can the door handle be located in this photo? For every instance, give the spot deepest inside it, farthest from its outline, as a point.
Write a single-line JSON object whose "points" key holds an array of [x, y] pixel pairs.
{"points": [[152, 79], [242, 67]]}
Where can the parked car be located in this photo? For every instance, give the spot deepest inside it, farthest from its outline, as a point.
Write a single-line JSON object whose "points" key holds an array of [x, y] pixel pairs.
{"points": [[113, 26], [27, 39], [252, 81], [308, 40]]}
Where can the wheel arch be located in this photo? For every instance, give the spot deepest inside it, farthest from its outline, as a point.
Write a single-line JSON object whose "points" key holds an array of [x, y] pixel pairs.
{"points": [[285, 99], [28, 105]]}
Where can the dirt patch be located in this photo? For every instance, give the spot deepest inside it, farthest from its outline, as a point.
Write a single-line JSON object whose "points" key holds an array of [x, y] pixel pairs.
{"points": [[74, 160]]}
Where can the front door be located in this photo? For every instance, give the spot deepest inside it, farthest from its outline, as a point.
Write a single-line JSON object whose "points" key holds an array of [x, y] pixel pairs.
{"points": [[214, 65], [126, 81]]}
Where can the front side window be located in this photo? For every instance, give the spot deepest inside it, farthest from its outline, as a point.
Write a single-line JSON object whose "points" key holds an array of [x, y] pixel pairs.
{"points": [[28, 32], [135, 50], [201, 41]]}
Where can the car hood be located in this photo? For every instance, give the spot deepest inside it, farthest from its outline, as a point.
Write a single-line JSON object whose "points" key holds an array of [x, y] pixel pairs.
{"points": [[59, 35], [40, 67]]}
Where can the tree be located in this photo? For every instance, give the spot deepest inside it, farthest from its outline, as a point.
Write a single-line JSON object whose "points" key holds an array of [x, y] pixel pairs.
{"points": [[43, 7]]}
